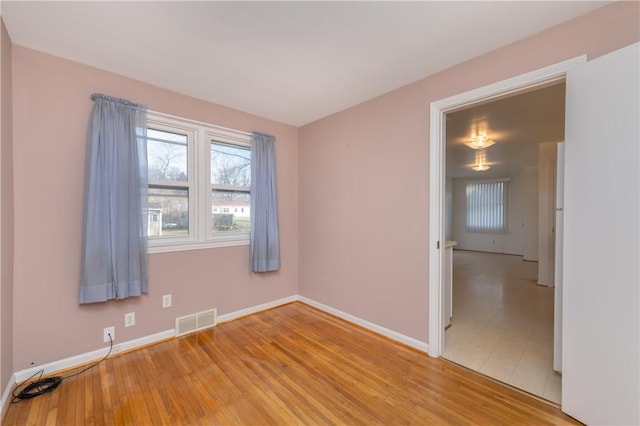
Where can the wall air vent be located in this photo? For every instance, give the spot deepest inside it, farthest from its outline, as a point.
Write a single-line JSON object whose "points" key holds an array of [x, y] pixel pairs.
{"points": [[196, 322]]}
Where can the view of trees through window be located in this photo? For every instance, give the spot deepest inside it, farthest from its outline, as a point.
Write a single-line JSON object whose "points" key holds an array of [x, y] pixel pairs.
{"points": [[199, 189], [171, 185], [168, 183], [230, 187]]}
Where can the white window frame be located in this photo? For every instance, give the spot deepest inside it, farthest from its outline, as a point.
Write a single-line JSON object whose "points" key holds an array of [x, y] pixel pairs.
{"points": [[199, 136], [230, 138], [189, 185]]}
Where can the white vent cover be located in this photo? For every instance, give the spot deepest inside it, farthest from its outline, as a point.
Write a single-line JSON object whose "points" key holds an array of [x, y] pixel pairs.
{"points": [[196, 322]]}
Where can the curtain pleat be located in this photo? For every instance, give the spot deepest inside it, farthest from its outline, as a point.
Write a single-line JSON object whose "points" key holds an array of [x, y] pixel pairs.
{"points": [[114, 252], [265, 241]]}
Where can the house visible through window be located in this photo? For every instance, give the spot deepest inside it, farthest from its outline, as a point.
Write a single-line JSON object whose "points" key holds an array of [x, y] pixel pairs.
{"points": [[199, 184], [169, 184], [230, 187], [487, 206]]}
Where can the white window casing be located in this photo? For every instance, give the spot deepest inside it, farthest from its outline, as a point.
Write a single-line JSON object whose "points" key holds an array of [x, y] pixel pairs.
{"points": [[198, 183]]}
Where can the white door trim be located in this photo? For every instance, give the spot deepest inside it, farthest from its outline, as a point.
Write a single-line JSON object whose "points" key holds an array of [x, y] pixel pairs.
{"points": [[437, 151]]}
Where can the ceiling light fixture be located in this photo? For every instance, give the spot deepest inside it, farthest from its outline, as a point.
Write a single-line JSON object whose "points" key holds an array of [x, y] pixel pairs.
{"points": [[480, 167], [479, 142], [481, 162]]}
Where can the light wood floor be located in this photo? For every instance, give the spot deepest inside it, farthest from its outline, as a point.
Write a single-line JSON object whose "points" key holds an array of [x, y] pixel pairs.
{"points": [[289, 365]]}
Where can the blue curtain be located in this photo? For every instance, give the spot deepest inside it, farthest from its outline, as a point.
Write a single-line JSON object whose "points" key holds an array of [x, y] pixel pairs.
{"points": [[265, 242], [114, 251]]}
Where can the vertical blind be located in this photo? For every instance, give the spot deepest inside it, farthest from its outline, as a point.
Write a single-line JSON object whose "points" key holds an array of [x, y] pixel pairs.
{"points": [[487, 206]]}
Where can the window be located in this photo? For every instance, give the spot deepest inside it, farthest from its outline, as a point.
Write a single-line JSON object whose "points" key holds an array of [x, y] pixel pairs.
{"points": [[487, 206], [169, 183], [230, 185], [199, 184]]}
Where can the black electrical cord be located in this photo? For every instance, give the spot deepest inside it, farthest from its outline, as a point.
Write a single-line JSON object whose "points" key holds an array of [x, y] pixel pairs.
{"points": [[42, 386], [37, 388]]}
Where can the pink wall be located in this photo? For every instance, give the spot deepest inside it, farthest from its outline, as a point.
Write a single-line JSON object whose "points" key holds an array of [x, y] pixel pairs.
{"points": [[362, 167], [6, 214], [51, 109], [343, 241]]}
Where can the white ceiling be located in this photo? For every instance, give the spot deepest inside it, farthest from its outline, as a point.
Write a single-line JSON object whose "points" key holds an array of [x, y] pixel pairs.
{"points": [[293, 62], [517, 124]]}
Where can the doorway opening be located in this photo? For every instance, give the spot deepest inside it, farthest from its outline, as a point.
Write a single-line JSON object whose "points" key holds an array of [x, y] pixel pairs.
{"points": [[440, 112], [503, 305]]}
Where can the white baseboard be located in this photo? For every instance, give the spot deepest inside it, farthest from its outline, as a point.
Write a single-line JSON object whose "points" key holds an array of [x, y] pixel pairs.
{"points": [[77, 360], [5, 396], [255, 309], [409, 341], [85, 358]]}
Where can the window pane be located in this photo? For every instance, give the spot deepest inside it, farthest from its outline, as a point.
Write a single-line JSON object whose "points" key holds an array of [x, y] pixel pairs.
{"points": [[230, 211], [168, 212], [230, 165], [166, 155], [166, 136]]}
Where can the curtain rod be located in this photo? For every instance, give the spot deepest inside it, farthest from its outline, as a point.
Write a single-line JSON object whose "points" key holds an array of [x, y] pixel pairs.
{"points": [[126, 102]]}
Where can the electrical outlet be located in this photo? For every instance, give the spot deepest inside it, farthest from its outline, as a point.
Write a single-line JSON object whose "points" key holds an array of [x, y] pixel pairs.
{"points": [[166, 301], [129, 319], [108, 331]]}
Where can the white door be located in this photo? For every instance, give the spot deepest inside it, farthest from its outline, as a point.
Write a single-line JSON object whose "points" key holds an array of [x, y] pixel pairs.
{"points": [[559, 233], [601, 277]]}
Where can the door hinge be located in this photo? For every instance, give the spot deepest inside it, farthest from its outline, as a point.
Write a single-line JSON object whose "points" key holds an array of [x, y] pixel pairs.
{"points": [[438, 245]]}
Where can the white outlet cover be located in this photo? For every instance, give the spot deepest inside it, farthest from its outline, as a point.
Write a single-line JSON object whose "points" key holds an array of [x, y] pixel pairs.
{"points": [[129, 319], [166, 301], [106, 332]]}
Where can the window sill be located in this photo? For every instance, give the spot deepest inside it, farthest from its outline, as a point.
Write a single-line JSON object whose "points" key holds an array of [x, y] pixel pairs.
{"points": [[219, 242]]}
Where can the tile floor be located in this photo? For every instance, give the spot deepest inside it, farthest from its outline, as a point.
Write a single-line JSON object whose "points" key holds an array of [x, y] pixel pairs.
{"points": [[502, 323]]}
